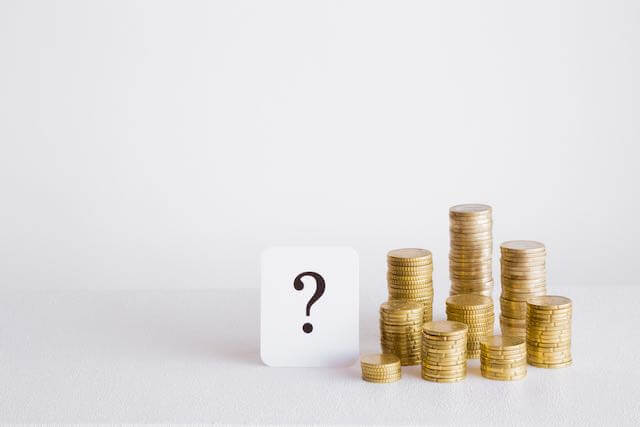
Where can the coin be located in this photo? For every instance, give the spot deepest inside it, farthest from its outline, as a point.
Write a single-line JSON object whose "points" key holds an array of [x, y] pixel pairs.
{"points": [[528, 246], [408, 255], [470, 209], [550, 301]]}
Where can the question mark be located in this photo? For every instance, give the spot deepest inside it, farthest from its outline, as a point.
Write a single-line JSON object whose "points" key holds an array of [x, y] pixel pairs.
{"points": [[320, 285]]}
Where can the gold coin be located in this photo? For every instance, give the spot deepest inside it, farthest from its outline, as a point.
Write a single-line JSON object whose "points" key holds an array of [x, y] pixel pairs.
{"points": [[459, 362], [456, 337], [470, 221], [541, 275], [385, 381], [442, 375], [549, 358], [477, 255], [482, 283], [402, 307], [525, 283], [472, 245], [470, 264], [523, 262], [501, 343], [468, 300], [470, 210], [528, 246], [550, 302], [379, 360], [471, 310], [506, 269], [470, 229], [381, 372], [537, 310], [408, 254], [471, 274], [554, 365], [479, 268], [470, 256], [422, 272], [445, 327]]}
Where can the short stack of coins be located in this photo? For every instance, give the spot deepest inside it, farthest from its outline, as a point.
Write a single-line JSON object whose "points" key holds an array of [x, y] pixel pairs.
{"points": [[503, 358], [470, 256], [444, 351], [380, 368], [401, 330], [523, 275], [409, 277], [549, 331], [476, 311]]}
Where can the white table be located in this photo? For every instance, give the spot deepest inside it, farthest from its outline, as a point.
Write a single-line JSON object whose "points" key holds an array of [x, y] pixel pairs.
{"points": [[194, 357]]}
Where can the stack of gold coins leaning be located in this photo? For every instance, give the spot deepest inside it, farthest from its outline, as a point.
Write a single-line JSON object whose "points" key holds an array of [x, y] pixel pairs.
{"points": [[476, 311], [524, 275], [470, 255], [380, 368], [503, 358], [444, 351], [401, 330], [549, 331], [409, 277]]}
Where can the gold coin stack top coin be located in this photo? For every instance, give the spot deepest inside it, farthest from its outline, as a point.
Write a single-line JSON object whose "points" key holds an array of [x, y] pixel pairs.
{"points": [[401, 330], [476, 311], [380, 368], [503, 358], [523, 275], [409, 277], [444, 351], [470, 256], [549, 331]]}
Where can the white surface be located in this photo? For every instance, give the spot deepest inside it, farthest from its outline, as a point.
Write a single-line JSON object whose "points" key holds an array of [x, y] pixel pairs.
{"points": [[284, 309], [193, 356], [153, 144]]}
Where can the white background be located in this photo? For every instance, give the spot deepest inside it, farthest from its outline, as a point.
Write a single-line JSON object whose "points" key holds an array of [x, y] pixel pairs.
{"points": [[165, 144]]}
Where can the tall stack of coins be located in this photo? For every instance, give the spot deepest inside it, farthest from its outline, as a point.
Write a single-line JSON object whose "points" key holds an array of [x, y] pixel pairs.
{"points": [[444, 348], [401, 330], [524, 275], [476, 311], [409, 277], [549, 331], [380, 368], [503, 358], [471, 251]]}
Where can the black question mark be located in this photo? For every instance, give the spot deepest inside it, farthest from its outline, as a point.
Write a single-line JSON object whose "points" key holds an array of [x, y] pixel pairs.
{"points": [[320, 285]]}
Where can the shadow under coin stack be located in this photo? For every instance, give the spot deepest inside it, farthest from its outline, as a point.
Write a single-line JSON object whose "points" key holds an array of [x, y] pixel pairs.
{"points": [[409, 277], [503, 358], [470, 255], [380, 368], [476, 311], [401, 329], [444, 348], [523, 275], [549, 331]]}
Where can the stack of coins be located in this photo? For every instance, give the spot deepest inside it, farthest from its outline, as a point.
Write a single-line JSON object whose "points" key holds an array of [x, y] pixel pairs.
{"points": [[503, 358], [524, 275], [476, 311], [409, 277], [401, 330], [471, 248], [444, 347], [380, 368], [549, 331]]}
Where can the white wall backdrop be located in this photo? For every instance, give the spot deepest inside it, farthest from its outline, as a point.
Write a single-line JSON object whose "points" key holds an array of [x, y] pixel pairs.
{"points": [[164, 144]]}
